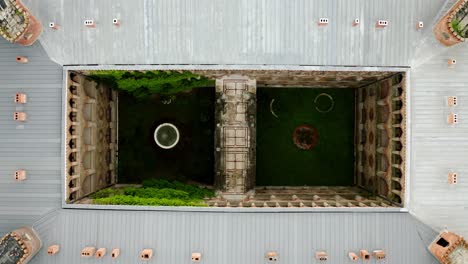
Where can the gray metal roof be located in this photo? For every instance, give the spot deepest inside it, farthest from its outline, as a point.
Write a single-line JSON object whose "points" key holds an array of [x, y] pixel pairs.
{"points": [[234, 32], [235, 237], [437, 147], [34, 145]]}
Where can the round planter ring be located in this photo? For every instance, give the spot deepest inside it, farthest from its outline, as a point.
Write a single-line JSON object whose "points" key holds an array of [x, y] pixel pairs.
{"points": [[305, 137], [324, 110], [166, 136]]}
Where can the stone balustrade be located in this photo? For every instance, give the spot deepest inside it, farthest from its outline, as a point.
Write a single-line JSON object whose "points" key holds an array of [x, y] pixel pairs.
{"points": [[383, 159], [92, 162]]}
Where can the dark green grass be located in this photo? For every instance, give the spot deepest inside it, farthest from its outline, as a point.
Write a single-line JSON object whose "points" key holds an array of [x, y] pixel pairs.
{"points": [[192, 158], [280, 162]]}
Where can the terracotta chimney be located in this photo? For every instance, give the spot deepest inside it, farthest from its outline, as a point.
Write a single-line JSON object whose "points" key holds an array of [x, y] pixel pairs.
{"points": [[53, 25], [323, 21], [52, 250], [420, 25], [146, 254], [19, 116], [21, 59], [196, 257], [452, 178], [100, 253], [321, 255], [271, 256], [88, 252], [379, 254], [115, 253], [20, 175], [20, 98], [353, 256], [452, 119], [452, 101], [356, 22], [381, 23], [364, 254], [90, 23], [116, 22]]}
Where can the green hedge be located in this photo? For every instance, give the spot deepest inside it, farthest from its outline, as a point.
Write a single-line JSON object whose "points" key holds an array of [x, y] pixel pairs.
{"points": [[154, 193], [132, 200], [192, 190], [158, 193], [142, 84], [107, 193]]}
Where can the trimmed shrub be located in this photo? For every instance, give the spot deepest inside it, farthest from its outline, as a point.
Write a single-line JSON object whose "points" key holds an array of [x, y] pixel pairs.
{"points": [[158, 193], [132, 200], [108, 192], [192, 190], [154, 193]]}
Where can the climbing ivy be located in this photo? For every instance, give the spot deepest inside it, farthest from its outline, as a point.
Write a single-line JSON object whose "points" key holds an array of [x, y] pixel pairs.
{"points": [[142, 84]]}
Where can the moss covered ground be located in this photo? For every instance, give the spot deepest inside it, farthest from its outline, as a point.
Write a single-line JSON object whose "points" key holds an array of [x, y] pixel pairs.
{"points": [[280, 162], [154, 193], [192, 158]]}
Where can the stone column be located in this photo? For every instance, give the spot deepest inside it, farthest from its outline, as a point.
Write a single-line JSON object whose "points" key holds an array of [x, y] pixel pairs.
{"points": [[235, 135]]}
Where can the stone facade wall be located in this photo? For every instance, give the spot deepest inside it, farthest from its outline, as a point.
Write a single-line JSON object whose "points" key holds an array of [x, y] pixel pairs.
{"points": [[91, 150], [320, 196], [284, 78], [380, 134], [381, 137], [235, 134]]}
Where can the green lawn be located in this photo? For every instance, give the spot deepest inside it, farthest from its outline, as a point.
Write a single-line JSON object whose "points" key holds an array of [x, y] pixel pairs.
{"points": [[280, 162], [193, 157]]}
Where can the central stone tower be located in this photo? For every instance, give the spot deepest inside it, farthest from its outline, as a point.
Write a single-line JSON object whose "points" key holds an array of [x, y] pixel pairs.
{"points": [[235, 135]]}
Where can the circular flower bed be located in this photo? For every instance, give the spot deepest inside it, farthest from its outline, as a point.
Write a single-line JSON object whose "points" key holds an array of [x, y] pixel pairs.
{"points": [[324, 103], [305, 137], [166, 136]]}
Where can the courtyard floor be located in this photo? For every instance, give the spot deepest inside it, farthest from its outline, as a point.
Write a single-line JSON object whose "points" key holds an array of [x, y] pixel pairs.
{"points": [[192, 159], [280, 162]]}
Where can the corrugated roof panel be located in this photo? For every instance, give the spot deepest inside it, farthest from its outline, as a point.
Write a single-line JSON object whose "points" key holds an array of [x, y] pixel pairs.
{"points": [[234, 32], [34, 145], [237, 237], [438, 148]]}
